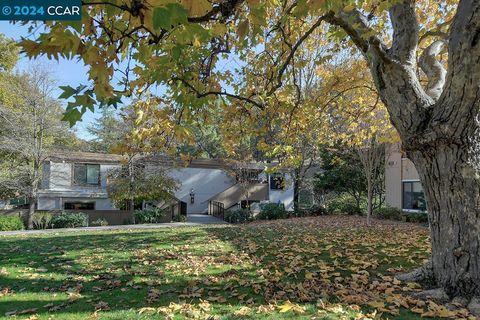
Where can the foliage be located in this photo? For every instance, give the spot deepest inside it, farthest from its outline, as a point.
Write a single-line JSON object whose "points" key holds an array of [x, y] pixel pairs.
{"points": [[180, 218], [272, 211], [107, 131], [11, 223], [70, 220], [30, 129], [42, 220], [8, 54], [418, 217], [315, 210], [138, 180], [153, 215], [101, 222], [238, 216], [390, 213], [340, 173], [344, 204]]}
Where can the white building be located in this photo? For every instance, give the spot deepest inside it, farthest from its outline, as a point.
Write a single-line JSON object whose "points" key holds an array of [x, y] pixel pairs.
{"points": [[79, 181]]}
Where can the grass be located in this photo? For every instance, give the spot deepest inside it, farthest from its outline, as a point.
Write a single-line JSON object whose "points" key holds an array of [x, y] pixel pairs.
{"points": [[325, 267]]}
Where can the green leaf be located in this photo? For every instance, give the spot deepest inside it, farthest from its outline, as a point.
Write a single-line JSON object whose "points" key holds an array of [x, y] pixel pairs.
{"points": [[162, 19], [67, 92], [72, 116], [176, 52], [178, 14]]}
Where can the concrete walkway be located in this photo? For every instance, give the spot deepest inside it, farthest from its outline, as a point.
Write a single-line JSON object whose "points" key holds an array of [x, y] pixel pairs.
{"points": [[192, 221], [199, 218]]}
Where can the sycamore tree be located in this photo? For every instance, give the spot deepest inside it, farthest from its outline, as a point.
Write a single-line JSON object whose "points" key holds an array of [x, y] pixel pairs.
{"points": [[422, 55]]}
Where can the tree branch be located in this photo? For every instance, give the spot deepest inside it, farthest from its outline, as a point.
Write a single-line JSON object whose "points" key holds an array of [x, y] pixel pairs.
{"points": [[355, 24], [405, 32], [217, 93], [289, 58], [433, 69]]}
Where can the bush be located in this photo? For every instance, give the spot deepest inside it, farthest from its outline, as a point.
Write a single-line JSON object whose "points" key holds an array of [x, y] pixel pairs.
{"points": [[70, 220], [101, 222], [238, 216], [417, 217], [153, 215], [11, 223], [42, 220], [389, 213], [180, 218], [272, 211], [343, 203]]}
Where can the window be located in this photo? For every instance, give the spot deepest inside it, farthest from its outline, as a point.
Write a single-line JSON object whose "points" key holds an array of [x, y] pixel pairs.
{"points": [[86, 174], [277, 181], [413, 197], [79, 206]]}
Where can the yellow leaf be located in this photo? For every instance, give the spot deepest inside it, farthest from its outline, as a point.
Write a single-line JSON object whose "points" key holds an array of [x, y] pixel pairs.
{"points": [[197, 7]]}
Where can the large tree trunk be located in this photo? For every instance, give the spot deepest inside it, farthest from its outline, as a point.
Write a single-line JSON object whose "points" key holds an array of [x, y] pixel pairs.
{"points": [[452, 192]]}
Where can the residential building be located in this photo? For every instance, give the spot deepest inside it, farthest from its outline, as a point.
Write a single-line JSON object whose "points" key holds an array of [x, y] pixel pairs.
{"points": [[78, 181], [403, 188]]}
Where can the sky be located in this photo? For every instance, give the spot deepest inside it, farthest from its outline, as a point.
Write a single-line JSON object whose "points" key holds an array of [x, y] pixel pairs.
{"points": [[64, 72]]}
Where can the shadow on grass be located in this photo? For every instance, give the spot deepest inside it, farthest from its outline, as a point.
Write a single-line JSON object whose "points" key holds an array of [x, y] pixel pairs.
{"points": [[75, 273]]}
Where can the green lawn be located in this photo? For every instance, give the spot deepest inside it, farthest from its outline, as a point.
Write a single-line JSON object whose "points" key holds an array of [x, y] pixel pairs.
{"points": [[322, 268]]}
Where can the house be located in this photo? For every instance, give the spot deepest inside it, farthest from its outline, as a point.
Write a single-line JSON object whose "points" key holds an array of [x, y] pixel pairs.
{"points": [[78, 181], [403, 189]]}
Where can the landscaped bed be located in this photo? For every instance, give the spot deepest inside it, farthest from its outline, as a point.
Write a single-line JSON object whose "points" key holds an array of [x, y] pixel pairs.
{"points": [[323, 267]]}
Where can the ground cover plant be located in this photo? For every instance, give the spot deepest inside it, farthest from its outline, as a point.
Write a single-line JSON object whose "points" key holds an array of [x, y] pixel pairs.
{"points": [[328, 267]]}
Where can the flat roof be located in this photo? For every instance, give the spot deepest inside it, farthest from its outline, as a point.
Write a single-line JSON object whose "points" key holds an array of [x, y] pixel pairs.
{"points": [[108, 158]]}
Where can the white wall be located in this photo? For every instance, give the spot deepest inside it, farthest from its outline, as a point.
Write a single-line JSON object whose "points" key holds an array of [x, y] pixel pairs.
{"points": [[205, 182], [283, 196]]}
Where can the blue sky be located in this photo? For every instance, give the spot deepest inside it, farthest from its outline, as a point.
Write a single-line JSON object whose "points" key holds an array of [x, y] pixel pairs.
{"points": [[65, 72]]}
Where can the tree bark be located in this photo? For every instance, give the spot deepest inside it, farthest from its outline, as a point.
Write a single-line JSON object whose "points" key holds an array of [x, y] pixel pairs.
{"points": [[31, 211], [453, 199], [369, 200], [437, 126]]}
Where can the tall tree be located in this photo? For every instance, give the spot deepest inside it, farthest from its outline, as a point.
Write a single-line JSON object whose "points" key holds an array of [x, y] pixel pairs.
{"points": [[434, 110], [30, 129], [106, 131]]}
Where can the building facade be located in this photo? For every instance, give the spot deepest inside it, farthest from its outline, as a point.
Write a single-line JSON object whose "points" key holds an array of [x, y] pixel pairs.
{"points": [[403, 189], [78, 181]]}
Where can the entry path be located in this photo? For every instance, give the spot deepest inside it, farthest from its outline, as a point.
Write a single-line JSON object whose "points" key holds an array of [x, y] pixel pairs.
{"points": [[192, 221]]}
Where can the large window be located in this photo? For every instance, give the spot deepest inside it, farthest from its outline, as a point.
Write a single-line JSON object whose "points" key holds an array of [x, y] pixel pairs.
{"points": [[79, 206], [86, 174], [413, 197]]}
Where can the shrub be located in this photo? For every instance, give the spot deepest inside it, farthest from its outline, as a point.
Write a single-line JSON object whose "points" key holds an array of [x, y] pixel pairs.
{"points": [[11, 223], [180, 218], [153, 215], [42, 220], [343, 203], [238, 216], [101, 222], [389, 213], [316, 210], [70, 220], [418, 217], [272, 211]]}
